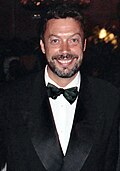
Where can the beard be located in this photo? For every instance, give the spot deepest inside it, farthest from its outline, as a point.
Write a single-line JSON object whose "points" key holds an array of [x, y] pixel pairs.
{"points": [[65, 72]]}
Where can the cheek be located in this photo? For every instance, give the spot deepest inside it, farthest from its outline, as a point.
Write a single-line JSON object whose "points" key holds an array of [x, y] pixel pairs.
{"points": [[51, 51], [78, 51]]}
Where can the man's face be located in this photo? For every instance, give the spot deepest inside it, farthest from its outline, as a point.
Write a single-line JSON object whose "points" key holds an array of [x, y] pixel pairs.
{"points": [[63, 45]]}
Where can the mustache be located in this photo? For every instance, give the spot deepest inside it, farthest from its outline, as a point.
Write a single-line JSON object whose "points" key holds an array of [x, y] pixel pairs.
{"points": [[64, 56]]}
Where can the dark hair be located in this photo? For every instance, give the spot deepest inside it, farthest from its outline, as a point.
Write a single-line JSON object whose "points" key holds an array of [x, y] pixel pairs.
{"points": [[60, 10]]}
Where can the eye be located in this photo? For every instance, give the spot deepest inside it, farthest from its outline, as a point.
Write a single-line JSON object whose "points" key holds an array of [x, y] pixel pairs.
{"points": [[74, 41], [54, 41]]}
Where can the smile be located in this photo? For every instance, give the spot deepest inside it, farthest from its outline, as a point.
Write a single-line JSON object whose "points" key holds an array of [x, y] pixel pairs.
{"points": [[64, 61]]}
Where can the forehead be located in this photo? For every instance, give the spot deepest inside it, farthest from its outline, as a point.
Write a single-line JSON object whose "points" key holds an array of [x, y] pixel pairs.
{"points": [[63, 26]]}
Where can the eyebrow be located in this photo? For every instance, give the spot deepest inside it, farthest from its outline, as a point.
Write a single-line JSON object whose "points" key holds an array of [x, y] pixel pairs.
{"points": [[69, 36], [76, 34]]}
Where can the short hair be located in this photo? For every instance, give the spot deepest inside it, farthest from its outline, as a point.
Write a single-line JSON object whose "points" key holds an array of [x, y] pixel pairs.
{"points": [[60, 10]]}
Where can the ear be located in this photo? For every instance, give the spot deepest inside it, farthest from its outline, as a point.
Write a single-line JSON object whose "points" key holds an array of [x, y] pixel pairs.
{"points": [[42, 46], [84, 45]]}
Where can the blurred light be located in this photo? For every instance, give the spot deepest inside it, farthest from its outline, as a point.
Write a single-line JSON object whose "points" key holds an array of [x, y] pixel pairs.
{"points": [[102, 33], [38, 3], [36, 16], [114, 42], [111, 36]]}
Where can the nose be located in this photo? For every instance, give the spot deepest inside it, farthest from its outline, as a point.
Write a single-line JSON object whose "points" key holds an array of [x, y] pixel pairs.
{"points": [[64, 48]]}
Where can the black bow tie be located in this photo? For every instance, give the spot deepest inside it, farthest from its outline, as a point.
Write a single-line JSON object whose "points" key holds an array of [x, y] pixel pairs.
{"points": [[70, 94]]}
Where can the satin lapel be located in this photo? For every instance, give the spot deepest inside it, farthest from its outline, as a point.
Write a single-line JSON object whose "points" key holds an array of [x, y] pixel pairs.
{"points": [[42, 129], [82, 135]]}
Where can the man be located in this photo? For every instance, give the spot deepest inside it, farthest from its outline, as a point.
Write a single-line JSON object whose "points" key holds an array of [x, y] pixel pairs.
{"points": [[73, 128]]}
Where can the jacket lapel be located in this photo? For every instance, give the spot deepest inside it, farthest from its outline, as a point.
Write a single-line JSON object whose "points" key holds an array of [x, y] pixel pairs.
{"points": [[79, 148], [82, 134], [42, 129]]}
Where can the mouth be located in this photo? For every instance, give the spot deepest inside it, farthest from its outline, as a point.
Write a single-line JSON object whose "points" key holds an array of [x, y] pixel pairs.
{"points": [[65, 59]]}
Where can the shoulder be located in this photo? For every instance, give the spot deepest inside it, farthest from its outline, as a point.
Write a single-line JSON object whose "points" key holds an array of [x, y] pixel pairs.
{"points": [[19, 88], [23, 83], [102, 98], [102, 93], [102, 86]]}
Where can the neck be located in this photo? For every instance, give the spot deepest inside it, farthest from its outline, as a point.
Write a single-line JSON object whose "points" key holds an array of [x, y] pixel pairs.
{"points": [[62, 82]]}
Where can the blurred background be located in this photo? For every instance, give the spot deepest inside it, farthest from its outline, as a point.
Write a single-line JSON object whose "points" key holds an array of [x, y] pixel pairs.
{"points": [[19, 44]]}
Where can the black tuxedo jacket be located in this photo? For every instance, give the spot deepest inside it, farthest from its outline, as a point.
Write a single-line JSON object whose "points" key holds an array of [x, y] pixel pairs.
{"points": [[28, 136]]}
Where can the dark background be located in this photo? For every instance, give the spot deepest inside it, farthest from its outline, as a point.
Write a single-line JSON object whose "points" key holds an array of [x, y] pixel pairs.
{"points": [[16, 21]]}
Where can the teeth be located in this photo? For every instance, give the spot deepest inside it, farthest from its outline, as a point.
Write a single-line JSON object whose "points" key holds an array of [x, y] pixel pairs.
{"points": [[64, 62]]}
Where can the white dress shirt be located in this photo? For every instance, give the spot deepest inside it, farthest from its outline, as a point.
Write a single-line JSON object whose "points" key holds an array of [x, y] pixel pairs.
{"points": [[63, 111]]}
